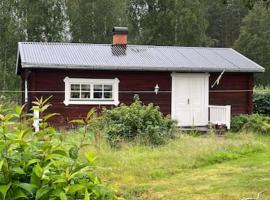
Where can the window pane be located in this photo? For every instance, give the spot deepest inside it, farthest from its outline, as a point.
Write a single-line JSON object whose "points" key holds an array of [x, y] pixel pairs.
{"points": [[108, 88], [85, 87], [75, 95], [97, 95], [75, 87], [85, 95], [108, 95], [97, 87]]}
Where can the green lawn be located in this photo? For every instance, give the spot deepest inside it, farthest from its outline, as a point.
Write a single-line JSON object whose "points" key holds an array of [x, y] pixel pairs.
{"points": [[201, 167]]}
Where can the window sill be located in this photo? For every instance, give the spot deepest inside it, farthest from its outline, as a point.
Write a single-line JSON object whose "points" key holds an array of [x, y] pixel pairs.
{"points": [[91, 103]]}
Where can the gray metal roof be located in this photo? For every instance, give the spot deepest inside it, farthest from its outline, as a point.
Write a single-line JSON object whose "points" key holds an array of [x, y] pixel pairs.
{"points": [[134, 57]]}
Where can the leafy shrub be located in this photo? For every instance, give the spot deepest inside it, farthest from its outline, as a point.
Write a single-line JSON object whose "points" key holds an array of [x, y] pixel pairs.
{"points": [[41, 165], [261, 102], [255, 123], [143, 123]]}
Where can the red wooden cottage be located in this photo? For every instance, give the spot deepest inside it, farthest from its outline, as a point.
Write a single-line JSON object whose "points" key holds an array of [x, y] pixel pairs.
{"points": [[192, 84]]}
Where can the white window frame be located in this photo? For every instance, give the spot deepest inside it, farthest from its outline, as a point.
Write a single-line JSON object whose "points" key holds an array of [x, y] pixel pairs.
{"points": [[115, 92]]}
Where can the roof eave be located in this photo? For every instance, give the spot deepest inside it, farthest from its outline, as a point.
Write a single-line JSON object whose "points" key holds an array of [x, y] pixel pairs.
{"points": [[140, 68]]}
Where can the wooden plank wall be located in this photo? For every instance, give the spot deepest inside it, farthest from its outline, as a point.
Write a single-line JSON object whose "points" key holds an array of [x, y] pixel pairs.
{"points": [[232, 90], [133, 81], [52, 80]]}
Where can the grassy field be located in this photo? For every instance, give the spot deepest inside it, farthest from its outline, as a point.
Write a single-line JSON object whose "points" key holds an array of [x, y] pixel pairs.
{"points": [[190, 167]]}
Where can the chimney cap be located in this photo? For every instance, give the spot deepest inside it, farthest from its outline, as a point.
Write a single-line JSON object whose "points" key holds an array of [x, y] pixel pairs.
{"points": [[120, 30]]}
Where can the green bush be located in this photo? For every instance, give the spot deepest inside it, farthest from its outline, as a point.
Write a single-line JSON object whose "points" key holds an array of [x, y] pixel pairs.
{"points": [[261, 102], [137, 122], [255, 123], [40, 165]]}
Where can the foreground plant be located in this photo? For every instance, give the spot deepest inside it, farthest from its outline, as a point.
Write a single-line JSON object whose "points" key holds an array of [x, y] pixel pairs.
{"points": [[40, 165]]}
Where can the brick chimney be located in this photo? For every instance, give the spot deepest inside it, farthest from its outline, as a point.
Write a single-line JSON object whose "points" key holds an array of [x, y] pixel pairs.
{"points": [[120, 36], [119, 44]]}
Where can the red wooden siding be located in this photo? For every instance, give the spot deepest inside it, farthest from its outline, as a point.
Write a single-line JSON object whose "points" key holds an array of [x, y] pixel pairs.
{"points": [[233, 90], [132, 82]]}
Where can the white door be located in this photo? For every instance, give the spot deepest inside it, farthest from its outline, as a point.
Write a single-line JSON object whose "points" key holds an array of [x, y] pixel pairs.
{"points": [[190, 99]]}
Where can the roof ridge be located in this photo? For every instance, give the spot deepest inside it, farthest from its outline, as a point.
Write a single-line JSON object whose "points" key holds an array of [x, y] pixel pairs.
{"points": [[129, 45]]}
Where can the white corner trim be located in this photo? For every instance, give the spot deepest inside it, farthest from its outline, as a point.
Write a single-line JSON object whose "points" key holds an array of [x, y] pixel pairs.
{"points": [[115, 93], [66, 79], [25, 91]]}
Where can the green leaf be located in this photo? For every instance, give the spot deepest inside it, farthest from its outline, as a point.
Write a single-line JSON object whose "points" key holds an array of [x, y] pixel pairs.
{"points": [[1, 164], [59, 150], [90, 157], [46, 117], [18, 170], [63, 196], [45, 107], [2, 117], [53, 156], [86, 195], [46, 100], [74, 188], [90, 113], [80, 170], [36, 175], [19, 194], [42, 192], [30, 188], [77, 121], [23, 133], [8, 117], [38, 170], [4, 189], [33, 161], [19, 109], [73, 152]]}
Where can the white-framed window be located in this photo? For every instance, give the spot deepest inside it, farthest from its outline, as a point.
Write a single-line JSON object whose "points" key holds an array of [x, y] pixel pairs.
{"points": [[91, 91]]}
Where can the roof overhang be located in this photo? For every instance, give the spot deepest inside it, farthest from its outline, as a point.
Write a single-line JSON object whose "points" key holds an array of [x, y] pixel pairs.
{"points": [[138, 68]]}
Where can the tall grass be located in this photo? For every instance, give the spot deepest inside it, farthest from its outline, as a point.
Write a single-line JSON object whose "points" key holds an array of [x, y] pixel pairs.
{"points": [[135, 168]]}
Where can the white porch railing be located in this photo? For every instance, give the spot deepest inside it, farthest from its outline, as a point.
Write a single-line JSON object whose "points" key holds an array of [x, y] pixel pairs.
{"points": [[220, 115]]}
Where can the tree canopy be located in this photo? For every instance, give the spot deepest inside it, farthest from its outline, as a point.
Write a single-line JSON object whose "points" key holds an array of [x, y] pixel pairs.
{"points": [[254, 39], [156, 22]]}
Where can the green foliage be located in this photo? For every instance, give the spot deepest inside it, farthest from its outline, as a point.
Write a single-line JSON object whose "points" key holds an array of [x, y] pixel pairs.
{"points": [[92, 21], [41, 165], [254, 40], [170, 22], [137, 122], [261, 102], [255, 123], [225, 21], [90, 124], [251, 3]]}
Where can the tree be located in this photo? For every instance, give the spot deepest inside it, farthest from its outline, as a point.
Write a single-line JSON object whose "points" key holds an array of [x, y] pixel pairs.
{"points": [[27, 20], [42, 20], [9, 35], [92, 20], [225, 21], [170, 22], [254, 39], [251, 3]]}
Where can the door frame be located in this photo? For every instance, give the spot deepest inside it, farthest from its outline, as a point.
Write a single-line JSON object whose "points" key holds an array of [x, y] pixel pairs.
{"points": [[175, 75]]}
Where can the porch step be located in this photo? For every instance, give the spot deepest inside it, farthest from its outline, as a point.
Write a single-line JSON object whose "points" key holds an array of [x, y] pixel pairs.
{"points": [[199, 128]]}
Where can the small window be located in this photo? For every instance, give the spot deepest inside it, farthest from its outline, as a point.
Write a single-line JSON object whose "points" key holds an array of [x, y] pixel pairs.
{"points": [[98, 91], [91, 91]]}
